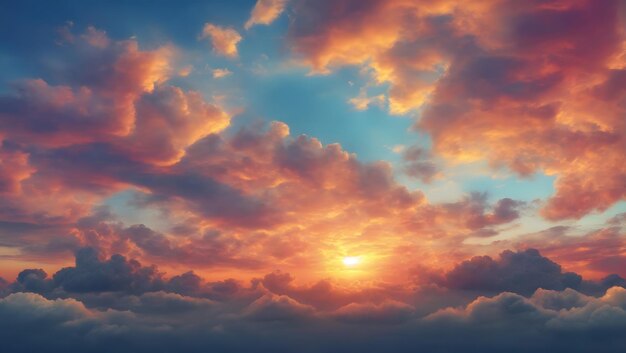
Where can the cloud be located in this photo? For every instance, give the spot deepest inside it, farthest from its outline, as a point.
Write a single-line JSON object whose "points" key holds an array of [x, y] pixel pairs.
{"points": [[32, 280], [170, 120], [125, 304], [171, 150], [516, 312], [594, 253], [521, 272], [124, 107], [492, 83], [219, 73], [224, 40], [265, 12], [165, 320], [363, 101], [14, 168], [388, 312], [277, 308], [472, 216], [116, 274], [100, 102], [30, 308], [419, 164]]}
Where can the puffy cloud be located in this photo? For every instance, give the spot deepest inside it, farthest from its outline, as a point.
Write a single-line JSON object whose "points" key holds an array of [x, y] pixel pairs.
{"points": [[165, 320], [388, 312], [263, 181], [587, 314], [521, 272], [30, 308], [224, 40], [277, 308], [95, 104], [219, 73], [170, 120], [14, 168], [32, 280], [109, 301], [116, 274], [555, 300], [110, 99], [516, 85], [594, 253], [265, 12], [472, 216], [363, 102], [186, 283]]}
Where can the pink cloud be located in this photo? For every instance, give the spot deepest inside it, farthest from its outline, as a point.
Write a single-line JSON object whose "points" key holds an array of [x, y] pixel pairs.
{"points": [[522, 86], [224, 40]]}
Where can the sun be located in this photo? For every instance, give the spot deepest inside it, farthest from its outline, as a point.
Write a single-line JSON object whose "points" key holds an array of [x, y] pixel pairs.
{"points": [[351, 261]]}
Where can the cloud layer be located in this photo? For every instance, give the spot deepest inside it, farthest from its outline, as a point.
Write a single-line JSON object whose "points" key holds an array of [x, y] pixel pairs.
{"points": [[118, 303]]}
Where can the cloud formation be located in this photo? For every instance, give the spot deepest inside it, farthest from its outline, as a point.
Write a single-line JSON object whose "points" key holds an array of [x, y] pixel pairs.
{"points": [[265, 12], [116, 311], [223, 39], [532, 87], [521, 272]]}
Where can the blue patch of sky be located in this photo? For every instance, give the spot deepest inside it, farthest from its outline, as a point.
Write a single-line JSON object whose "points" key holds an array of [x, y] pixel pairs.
{"points": [[537, 186], [126, 210], [28, 28], [317, 106]]}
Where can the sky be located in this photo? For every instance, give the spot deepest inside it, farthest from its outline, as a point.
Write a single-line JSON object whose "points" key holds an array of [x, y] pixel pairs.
{"points": [[313, 176]]}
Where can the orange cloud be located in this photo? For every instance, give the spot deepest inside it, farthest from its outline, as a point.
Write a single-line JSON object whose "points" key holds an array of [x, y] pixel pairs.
{"points": [[533, 87], [123, 105], [224, 40], [219, 73], [594, 254], [265, 12]]}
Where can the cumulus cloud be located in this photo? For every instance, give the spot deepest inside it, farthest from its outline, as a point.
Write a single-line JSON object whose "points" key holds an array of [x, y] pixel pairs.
{"points": [[219, 73], [123, 108], [265, 12], [594, 253], [520, 272], [116, 274], [277, 308], [163, 320], [493, 82], [123, 303], [170, 120], [517, 312], [363, 101], [14, 168], [387, 312], [100, 102], [223, 39]]}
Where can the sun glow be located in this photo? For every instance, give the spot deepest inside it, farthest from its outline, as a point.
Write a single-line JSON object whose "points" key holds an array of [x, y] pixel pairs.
{"points": [[351, 261]]}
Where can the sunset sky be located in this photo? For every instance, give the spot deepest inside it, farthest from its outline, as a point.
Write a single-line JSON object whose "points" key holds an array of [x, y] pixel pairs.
{"points": [[313, 176]]}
